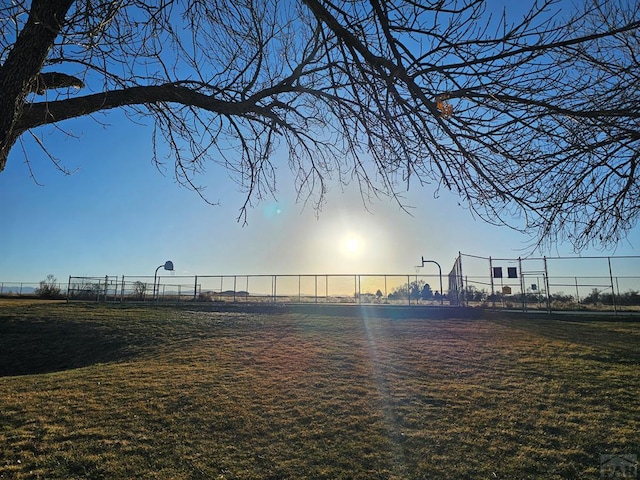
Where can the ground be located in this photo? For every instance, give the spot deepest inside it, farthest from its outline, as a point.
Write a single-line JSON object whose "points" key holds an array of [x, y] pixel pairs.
{"points": [[98, 391]]}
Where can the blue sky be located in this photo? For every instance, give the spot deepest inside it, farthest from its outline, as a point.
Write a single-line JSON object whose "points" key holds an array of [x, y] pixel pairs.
{"points": [[118, 215]]}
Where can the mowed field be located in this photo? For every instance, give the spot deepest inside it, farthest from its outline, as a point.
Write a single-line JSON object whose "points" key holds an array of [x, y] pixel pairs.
{"points": [[112, 392]]}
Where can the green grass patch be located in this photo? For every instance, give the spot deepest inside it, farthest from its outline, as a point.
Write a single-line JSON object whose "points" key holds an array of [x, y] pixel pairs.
{"points": [[101, 392]]}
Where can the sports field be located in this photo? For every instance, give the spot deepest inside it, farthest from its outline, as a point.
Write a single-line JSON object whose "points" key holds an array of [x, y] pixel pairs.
{"points": [[104, 392]]}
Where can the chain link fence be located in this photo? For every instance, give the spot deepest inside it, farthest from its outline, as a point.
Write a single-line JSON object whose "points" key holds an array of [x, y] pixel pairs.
{"points": [[401, 289], [551, 283], [29, 289], [544, 283]]}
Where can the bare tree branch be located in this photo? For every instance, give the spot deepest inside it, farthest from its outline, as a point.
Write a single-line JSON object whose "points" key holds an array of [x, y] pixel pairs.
{"points": [[532, 121]]}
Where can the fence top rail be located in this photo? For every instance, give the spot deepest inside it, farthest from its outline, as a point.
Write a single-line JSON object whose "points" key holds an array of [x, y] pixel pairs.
{"points": [[586, 257], [572, 277], [293, 275]]}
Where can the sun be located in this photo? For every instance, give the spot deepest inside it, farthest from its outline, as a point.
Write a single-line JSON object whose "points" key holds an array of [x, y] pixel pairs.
{"points": [[351, 245]]}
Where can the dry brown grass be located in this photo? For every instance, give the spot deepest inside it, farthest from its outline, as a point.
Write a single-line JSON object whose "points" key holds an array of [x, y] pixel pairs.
{"points": [[109, 392]]}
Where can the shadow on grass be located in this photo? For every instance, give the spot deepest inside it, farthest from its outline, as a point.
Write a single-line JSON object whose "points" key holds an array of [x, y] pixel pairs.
{"points": [[40, 345], [606, 338]]}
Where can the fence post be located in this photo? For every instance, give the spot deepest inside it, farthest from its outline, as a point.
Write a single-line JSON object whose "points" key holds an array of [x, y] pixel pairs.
{"points": [[464, 283], [68, 288], [235, 289], [613, 292], [115, 290], [522, 286], [493, 293], [546, 284], [195, 288], [326, 288], [386, 295]]}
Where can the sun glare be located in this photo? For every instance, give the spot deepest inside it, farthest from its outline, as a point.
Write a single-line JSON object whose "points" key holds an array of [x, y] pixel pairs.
{"points": [[347, 243], [351, 245]]}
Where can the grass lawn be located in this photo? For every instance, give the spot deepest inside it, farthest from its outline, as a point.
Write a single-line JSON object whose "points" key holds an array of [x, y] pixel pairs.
{"points": [[104, 392]]}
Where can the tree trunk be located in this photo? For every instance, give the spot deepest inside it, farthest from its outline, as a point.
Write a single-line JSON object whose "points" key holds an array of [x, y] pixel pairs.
{"points": [[23, 64]]}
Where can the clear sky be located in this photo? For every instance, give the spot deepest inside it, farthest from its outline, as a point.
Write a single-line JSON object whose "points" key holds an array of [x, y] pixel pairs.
{"points": [[118, 215]]}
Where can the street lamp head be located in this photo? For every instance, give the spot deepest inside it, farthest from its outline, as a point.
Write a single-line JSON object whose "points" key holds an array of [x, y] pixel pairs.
{"points": [[168, 265]]}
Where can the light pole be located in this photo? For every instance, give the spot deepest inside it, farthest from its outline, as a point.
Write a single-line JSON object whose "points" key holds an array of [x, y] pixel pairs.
{"points": [[439, 270], [168, 265]]}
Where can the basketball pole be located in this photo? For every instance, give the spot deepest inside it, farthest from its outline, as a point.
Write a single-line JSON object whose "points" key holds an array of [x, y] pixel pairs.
{"points": [[440, 271]]}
